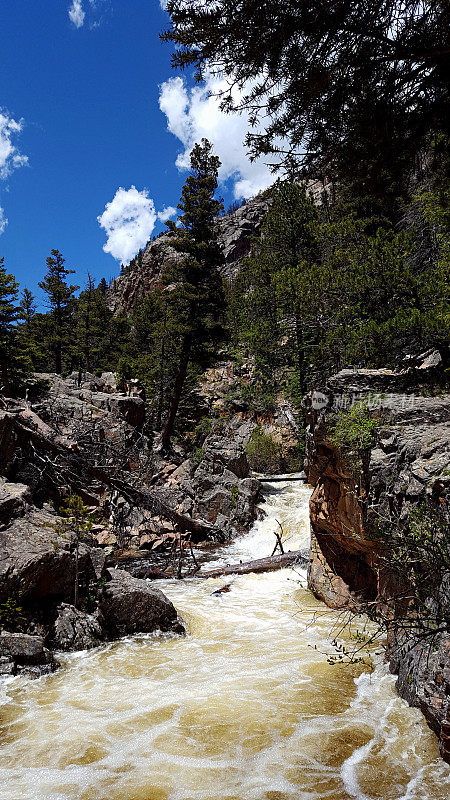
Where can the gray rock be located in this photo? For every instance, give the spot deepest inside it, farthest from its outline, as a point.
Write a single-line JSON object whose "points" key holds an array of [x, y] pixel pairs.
{"points": [[24, 649], [98, 560], [36, 671], [108, 381], [7, 666], [36, 562], [14, 498], [130, 605], [75, 630], [235, 233], [223, 453]]}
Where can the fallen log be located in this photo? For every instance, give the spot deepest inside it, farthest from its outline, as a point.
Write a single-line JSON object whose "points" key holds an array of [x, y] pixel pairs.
{"points": [[298, 476], [292, 558], [61, 466]]}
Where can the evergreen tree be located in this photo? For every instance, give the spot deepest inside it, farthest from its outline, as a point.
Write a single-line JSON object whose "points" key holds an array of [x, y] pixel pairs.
{"points": [[324, 289], [9, 314], [60, 300], [28, 306], [342, 88], [194, 293], [28, 335]]}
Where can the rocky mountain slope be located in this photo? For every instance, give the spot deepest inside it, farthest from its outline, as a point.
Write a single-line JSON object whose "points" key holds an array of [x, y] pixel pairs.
{"points": [[407, 463], [235, 234], [89, 439]]}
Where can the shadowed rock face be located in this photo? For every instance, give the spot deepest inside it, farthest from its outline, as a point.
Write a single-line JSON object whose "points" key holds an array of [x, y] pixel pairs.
{"points": [[130, 605], [408, 462], [24, 654], [235, 233], [49, 450]]}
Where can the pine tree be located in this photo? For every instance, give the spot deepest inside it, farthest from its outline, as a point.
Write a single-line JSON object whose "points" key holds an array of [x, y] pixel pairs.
{"points": [[271, 307], [196, 297], [9, 314], [27, 330], [60, 296], [348, 89], [86, 323]]}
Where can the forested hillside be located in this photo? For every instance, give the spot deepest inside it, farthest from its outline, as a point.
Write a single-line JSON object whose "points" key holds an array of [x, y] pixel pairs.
{"points": [[306, 328]]}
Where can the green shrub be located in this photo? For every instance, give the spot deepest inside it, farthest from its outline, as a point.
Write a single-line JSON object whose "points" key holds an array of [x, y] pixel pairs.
{"points": [[352, 432], [263, 453], [198, 454], [11, 614], [202, 430]]}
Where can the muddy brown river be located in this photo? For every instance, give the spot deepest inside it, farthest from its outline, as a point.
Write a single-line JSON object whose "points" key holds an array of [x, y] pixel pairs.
{"points": [[246, 707]]}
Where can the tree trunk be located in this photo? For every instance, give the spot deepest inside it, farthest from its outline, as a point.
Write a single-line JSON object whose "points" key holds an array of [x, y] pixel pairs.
{"points": [[269, 564], [162, 374], [75, 599], [178, 388], [5, 379]]}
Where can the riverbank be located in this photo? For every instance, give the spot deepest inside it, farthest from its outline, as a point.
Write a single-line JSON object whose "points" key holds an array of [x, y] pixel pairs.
{"points": [[245, 706]]}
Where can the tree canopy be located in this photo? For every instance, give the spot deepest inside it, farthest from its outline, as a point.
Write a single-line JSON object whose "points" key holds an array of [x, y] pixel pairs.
{"points": [[336, 87], [194, 295]]}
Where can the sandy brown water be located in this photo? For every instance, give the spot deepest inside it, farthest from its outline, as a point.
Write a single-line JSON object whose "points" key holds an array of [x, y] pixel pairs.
{"points": [[245, 707]]}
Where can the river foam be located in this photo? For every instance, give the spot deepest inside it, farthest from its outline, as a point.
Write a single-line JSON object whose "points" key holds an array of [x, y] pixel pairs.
{"points": [[245, 707]]}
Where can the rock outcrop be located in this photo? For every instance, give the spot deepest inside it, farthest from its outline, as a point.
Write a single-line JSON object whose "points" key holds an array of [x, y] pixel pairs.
{"points": [[79, 437], [216, 487], [408, 462], [235, 233], [130, 605], [24, 655]]}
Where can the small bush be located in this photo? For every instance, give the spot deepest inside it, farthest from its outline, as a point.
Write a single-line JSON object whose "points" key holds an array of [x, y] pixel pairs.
{"points": [[352, 432], [11, 614], [259, 397], [202, 430], [263, 453], [198, 455]]}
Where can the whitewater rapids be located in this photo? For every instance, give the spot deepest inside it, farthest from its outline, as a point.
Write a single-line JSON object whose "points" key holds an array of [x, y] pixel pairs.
{"points": [[246, 707]]}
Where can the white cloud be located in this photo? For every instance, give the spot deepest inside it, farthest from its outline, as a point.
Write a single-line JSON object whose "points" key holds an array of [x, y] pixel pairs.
{"points": [[194, 113], [166, 213], [128, 220], [10, 158], [3, 220], [77, 13]]}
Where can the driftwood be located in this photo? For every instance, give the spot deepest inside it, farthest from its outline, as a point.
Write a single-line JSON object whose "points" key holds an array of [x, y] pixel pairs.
{"points": [[294, 557], [62, 466]]}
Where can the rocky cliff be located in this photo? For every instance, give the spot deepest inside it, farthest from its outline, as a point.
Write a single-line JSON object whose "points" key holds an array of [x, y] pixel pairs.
{"points": [[408, 462], [235, 233], [87, 438]]}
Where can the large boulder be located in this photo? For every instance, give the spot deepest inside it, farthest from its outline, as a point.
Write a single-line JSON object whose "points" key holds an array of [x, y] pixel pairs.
{"points": [[25, 654], [221, 453], [36, 562], [14, 498], [76, 630], [130, 605]]}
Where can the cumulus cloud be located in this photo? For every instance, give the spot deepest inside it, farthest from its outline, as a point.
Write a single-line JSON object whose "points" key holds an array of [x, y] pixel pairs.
{"points": [[3, 220], [195, 112], [77, 13], [10, 157], [166, 213], [128, 220]]}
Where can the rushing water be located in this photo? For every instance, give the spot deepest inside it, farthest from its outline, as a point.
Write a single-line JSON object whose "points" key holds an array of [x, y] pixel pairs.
{"points": [[245, 707]]}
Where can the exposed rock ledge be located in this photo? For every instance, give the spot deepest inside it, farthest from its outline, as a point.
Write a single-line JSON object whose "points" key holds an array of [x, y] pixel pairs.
{"points": [[409, 462], [235, 233]]}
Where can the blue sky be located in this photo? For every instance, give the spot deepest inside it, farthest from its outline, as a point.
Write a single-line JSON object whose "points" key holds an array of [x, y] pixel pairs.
{"points": [[89, 104]]}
